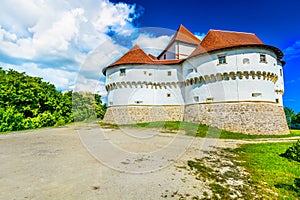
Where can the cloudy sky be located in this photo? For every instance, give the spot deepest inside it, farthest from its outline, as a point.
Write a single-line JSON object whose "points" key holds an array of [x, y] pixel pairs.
{"points": [[68, 42]]}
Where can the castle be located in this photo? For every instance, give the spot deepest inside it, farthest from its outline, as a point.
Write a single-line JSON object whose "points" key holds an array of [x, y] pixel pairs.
{"points": [[229, 80]]}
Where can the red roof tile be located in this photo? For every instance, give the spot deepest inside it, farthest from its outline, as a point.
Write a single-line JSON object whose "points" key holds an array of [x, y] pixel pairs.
{"points": [[134, 56], [216, 39], [184, 35], [137, 56]]}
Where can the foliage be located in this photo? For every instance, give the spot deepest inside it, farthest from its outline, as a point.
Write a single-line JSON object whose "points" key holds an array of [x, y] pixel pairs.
{"points": [[272, 173], [293, 152], [293, 119], [28, 102]]}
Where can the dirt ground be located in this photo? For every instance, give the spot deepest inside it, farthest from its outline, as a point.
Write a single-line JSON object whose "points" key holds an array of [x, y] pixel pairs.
{"points": [[88, 162]]}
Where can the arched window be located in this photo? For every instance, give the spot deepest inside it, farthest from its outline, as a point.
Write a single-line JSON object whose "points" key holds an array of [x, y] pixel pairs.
{"points": [[246, 61]]}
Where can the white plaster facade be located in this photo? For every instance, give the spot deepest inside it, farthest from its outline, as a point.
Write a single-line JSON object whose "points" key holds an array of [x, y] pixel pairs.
{"points": [[248, 80], [229, 80]]}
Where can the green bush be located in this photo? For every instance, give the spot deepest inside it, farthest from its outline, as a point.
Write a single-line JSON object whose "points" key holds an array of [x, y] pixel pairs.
{"points": [[28, 102], [293, 152]]}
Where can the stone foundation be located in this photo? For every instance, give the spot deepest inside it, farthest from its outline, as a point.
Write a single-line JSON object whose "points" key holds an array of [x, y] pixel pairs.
{"points": [[141, 113], [248, 118]]}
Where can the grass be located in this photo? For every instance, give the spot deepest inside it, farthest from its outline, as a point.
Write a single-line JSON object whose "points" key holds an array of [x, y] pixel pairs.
{"points": [[199, 130], [269, 170]]}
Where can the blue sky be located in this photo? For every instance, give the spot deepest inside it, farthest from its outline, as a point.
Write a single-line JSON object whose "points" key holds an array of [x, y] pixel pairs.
{"points": [[68, 42]]}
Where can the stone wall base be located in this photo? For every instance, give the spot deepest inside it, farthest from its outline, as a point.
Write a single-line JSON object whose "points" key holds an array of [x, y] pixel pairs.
{"points": [[140, 114], [247, 118]]}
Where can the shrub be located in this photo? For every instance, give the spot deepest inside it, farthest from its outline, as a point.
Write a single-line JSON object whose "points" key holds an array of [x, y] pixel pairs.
{"points": [[293, 152]]}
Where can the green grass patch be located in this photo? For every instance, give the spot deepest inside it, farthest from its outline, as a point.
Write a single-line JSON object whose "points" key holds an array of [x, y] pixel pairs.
{"points": [[199, 130], [269, 170]]}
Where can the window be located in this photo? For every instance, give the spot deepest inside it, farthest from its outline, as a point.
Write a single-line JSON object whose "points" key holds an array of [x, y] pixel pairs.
{"points": [[246, 61], [145, 72], [168, 95], [138, 102], [169, 73], [277, 100], [150, 74], [165, 56], [209, 99], [111, 103], [262, 58], [256, 94], [122, 72], [280, 72], [190, 70], [222, 59], [196, 98]]}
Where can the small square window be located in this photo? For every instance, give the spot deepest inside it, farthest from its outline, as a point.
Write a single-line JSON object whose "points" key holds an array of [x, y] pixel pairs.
{"points": [[145, 72], [222, 59], [262, 58], [169, 73], [190, 70], [150, 74], [256, 94], [168, 95], [196, 98], [122, 72], [209, 99], [277, 100]]}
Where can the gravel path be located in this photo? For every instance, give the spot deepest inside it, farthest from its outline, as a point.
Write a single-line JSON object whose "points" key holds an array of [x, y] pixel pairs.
{"points": [[88, 162]]}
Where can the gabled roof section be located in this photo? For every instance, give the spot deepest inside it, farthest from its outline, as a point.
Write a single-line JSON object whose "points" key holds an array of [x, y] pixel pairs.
{"points": [[184, 35], [217, 39], [134, 56]]}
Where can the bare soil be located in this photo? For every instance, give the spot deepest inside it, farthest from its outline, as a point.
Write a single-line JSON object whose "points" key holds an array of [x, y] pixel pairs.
{"points": [[86, 161]]}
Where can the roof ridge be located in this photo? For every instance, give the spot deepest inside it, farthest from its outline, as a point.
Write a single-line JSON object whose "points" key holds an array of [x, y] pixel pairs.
{"points": [[231, 31]]}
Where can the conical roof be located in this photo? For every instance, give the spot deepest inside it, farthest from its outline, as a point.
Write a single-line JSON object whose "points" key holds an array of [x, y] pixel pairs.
{"points": [[134, 56]]}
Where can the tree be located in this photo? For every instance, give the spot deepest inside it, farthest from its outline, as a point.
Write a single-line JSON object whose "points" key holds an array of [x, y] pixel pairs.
{"points": [[29, 102], [289, 114]]}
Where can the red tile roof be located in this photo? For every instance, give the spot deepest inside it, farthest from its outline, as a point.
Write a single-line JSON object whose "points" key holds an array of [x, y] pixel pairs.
{"points": [[184, 35], [136, 55], [216, 39]]}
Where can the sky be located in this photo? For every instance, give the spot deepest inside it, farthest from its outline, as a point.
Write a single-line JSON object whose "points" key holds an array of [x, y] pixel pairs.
{"points": [[68, 42]]}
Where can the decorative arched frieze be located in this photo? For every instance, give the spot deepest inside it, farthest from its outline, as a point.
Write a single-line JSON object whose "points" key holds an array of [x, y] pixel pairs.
{"points": [[268, 76]]}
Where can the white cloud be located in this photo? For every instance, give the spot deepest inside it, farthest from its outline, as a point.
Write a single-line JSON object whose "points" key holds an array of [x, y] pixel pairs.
{"points": [[67, 42], [151, 44], [293, 51], [52, 38]]}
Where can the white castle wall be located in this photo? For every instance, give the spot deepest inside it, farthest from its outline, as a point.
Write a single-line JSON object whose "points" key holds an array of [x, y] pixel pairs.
{"points": [[201, 90], [236, 88], [138, 85], [182, 49]]}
